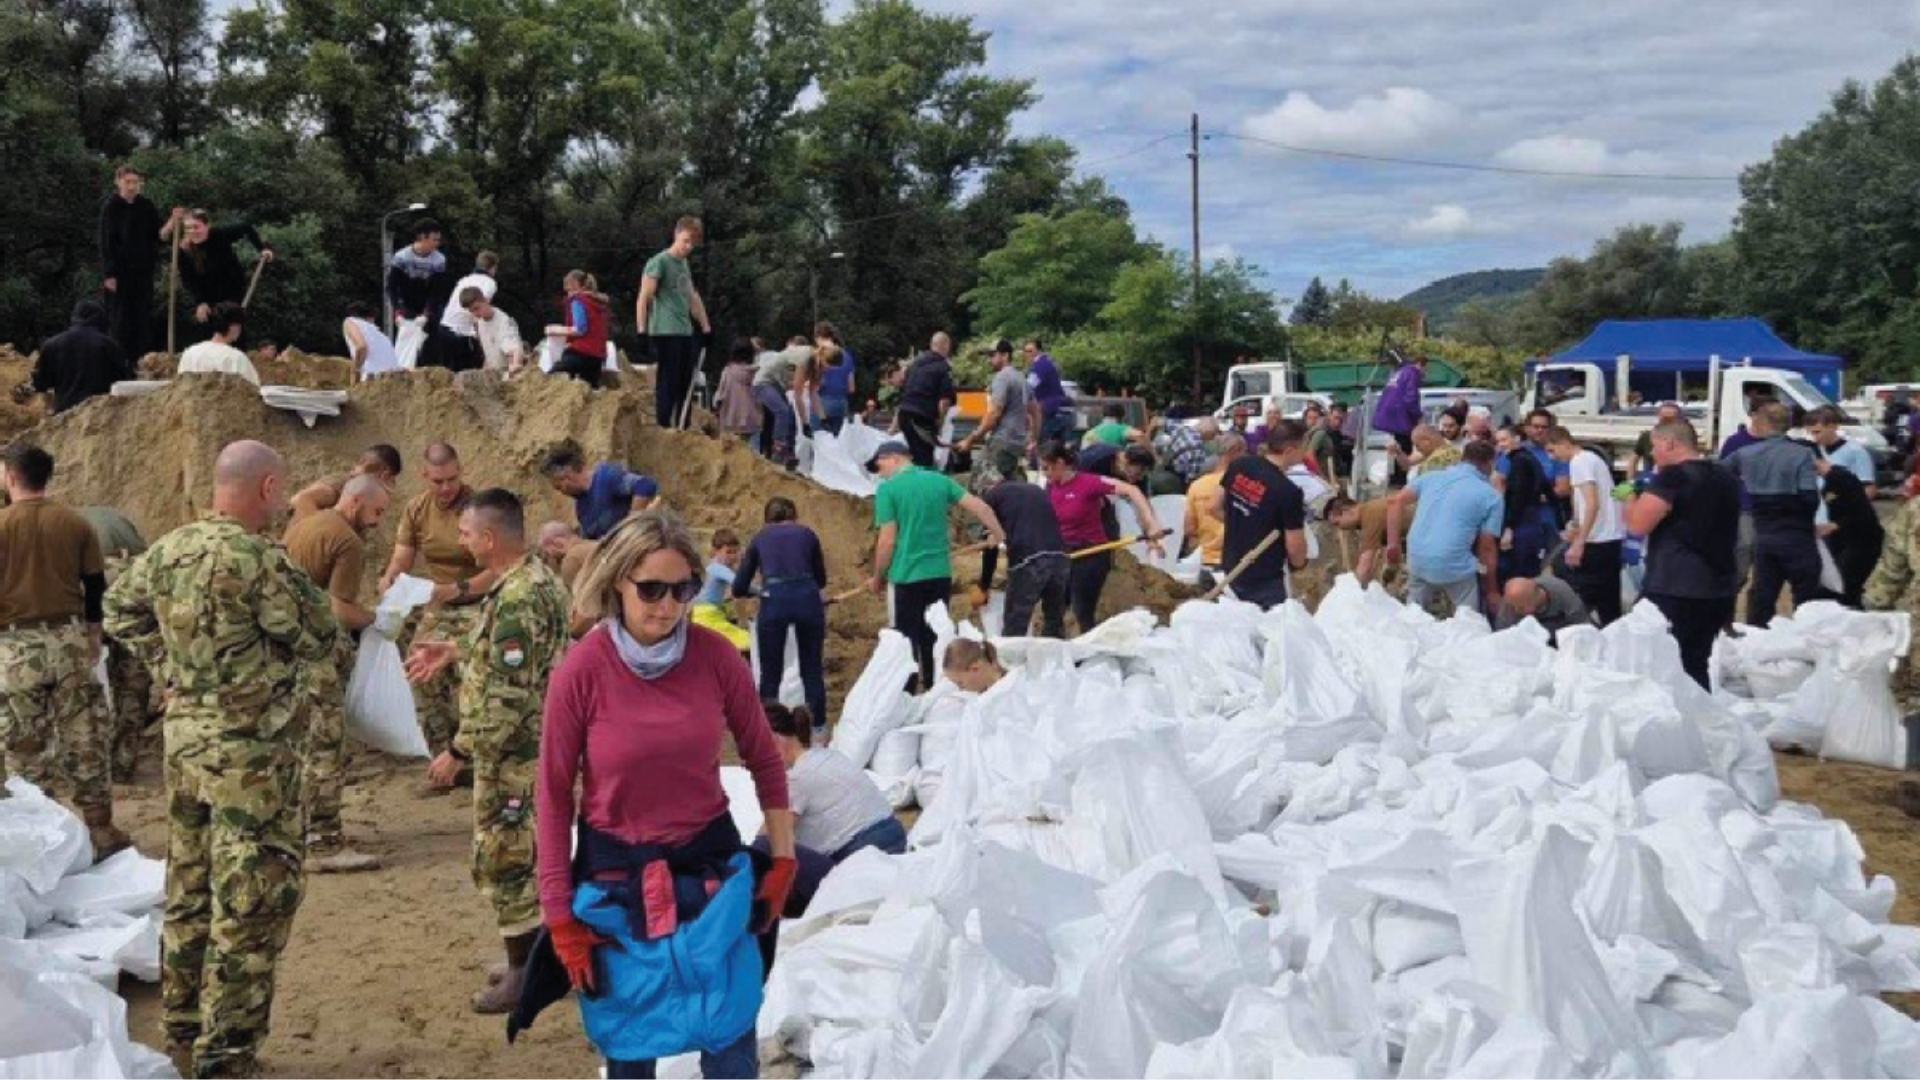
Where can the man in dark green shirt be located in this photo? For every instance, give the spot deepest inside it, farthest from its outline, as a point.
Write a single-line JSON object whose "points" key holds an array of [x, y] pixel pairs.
{"points": [[668, 310], [910, 509]]}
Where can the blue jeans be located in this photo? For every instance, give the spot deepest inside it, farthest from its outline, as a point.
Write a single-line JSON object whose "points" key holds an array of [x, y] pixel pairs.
{"points": [[887, 834], [1057, 426], [779, 417], [740, 1060], [795, 606], [833, 413]]}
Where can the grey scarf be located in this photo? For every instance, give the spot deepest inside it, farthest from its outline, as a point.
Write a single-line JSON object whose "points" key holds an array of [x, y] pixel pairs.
{"points": [[649, 661]]}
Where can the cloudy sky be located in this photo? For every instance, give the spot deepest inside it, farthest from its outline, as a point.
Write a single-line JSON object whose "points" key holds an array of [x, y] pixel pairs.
{"points": [[1629, 86]]}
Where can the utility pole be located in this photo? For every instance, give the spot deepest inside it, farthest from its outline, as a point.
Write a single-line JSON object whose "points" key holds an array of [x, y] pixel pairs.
{"points": [[1193, 157]]}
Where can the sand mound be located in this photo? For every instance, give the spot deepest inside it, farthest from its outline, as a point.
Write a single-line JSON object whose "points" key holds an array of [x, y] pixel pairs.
{"points": [[151, 458]]}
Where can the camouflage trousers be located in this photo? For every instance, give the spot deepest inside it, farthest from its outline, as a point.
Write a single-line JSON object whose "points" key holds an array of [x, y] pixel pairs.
{"points": [[234, 851], [132, 707], [53, 715], [503, 842], [325, 690], [437, 700]]}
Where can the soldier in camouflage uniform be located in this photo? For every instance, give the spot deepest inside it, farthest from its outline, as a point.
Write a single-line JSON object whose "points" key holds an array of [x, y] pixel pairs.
{"points": [[1890, 588], [53, 715], [504, 665], [225, 621], [128, 679]]}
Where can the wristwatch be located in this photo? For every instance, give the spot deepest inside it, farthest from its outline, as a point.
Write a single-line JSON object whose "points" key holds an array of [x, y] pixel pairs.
{"points": [[462, 587]]}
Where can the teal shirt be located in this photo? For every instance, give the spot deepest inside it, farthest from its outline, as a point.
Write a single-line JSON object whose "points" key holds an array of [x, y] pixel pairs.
{"points": [[915, 501], [1111, 432], [672, 309]]}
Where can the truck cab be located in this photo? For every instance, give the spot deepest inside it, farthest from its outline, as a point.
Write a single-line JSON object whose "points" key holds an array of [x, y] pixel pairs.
{"points": [[1256, 386]]}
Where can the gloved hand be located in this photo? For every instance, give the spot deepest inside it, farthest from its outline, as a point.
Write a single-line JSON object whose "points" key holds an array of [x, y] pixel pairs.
{"points": [[573, 943], [772, 891]]}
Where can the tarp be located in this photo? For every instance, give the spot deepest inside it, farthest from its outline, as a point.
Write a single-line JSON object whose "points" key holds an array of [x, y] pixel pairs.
{"points": [[1681, 345]]}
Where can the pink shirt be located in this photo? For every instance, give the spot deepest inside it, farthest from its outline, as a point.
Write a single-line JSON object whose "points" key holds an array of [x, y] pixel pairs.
{"points": [[647, 754], [1077, 503]]}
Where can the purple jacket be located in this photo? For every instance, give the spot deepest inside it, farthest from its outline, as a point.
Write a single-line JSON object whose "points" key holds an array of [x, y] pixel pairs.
{"points": [[1398, 410]]}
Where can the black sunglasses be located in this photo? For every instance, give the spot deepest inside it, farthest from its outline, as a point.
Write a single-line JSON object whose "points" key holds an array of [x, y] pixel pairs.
{"points": [[653, 592]]}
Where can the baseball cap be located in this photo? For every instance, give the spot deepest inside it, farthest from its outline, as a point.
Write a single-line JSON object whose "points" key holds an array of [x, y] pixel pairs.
{"points": [[891, 446]]}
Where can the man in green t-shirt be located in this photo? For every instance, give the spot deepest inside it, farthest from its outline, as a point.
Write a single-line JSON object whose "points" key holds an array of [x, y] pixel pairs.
{"points": [[910, 509], [668, 310], [1113, 429]]}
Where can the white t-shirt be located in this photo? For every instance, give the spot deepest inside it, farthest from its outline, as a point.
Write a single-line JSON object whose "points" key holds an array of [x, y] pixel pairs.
{"points": [[455, 318], [499, 339], [381, 356], [1587, 467], [833, 800], [212, 357]]}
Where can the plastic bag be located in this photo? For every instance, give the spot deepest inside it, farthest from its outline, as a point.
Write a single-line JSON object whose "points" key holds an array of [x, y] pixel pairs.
{"points": [[380, 709], [410, 335], [898, 753], [878, 702]]}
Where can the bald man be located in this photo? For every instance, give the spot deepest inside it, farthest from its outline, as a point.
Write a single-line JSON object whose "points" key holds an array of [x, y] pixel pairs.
{"points": [[1547, 600], [925, 395], [330, 546], [1431, 451], [226, 621]]}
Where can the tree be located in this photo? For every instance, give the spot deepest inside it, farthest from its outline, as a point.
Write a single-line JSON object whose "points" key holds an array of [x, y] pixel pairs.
{"points": [[1315, 306], [1054, 275], [173, 33], [906, 115], [1634, 274], [1826, 239]]}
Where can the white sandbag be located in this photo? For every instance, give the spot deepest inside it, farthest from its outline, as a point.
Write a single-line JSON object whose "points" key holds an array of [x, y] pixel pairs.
{"points": [[380, 708], [899, 790], [897, 754], [1849, 689], [40, 840], [878, 702], [743, 801], [410, 335], [59, 1023], [127, 883], [840, 461], [1773, 680]]}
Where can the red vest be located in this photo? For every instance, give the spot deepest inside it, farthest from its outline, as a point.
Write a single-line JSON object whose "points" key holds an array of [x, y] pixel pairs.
{"points": [[594, 341]]}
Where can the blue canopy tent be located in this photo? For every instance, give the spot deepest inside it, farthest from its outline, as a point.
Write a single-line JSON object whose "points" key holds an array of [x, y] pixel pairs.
{"points": [[1661, 349]]}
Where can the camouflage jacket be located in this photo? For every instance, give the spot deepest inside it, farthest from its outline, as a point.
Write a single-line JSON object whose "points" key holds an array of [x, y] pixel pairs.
{"points": [[1886, 590], [512, 650], [225, 620]]}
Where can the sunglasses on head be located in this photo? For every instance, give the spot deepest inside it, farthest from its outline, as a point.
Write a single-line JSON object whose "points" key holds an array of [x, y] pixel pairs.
{"points": [[683, 591]]}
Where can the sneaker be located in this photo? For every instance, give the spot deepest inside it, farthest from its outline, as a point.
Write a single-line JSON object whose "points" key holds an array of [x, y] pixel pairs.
{"points": [[340, 859], [497, 998]]}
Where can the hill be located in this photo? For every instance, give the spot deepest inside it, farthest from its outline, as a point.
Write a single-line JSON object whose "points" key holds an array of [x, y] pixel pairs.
{"points": [[1440, 299]]}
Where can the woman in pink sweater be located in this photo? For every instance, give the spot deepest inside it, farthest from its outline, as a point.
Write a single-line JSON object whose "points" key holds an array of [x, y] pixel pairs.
{"points": [[637, 715]]}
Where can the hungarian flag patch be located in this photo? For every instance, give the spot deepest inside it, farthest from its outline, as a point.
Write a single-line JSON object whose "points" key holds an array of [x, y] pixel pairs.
{"points": [[512, 653]]}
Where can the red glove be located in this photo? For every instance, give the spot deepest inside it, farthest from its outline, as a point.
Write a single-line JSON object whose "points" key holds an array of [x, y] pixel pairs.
{"points": [[573, 943], [773, 890]]}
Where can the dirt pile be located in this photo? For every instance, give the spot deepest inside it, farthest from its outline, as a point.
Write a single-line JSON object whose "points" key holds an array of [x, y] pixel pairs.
{"points": [[14, 419], [151, 458]]}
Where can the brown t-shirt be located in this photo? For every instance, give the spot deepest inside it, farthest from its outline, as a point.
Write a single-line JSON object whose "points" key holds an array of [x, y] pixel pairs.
{"points": [[317, 496], [434, 535], [1373, 525], [44, 549], [330, 551], [575, 560]]}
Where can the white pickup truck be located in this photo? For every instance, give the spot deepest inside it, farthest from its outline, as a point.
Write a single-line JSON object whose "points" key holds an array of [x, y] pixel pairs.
{"points": [[1255, 386], [1577, 395]]}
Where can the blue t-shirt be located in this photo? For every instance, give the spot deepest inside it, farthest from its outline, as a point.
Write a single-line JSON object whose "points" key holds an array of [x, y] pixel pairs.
{"points": [[719, 579], [1456, 506], [609, 497], [1044, 381], [836, 382]]}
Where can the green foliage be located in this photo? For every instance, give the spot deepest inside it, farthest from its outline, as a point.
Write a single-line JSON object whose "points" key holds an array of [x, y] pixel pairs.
{"points": [[1827, 243], [1483, 366], [1054, 275], [1315, 306], [1442, 300]]}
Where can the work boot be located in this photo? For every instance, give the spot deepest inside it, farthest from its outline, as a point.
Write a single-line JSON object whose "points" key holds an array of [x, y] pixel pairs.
{"points": [[500, 997], [107, 838], [180, 1052], [496, 972], [333, 856], [229, 1067]]}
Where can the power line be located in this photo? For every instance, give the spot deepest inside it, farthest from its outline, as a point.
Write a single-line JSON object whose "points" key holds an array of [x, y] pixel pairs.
{"points": [[1136, 151], [1464, 166]]}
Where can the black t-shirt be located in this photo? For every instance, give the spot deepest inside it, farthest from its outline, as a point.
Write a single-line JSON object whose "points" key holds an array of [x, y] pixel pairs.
{"points": [[1260, 499], [1690, 554], [1851, 512], [1027, 515], [929, 381]]}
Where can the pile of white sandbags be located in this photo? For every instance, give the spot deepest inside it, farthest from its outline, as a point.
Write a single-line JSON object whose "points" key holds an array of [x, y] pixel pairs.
{"points": [[1817, 680], [68, 929], [1355, 843]]}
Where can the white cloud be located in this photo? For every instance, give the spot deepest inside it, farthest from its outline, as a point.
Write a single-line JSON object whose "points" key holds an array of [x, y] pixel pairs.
{"points": [[1443, 222], [1400, 116], [1571, 153]]}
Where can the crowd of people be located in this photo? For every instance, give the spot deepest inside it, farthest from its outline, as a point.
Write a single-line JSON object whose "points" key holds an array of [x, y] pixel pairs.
{"points": [[581, 678]]}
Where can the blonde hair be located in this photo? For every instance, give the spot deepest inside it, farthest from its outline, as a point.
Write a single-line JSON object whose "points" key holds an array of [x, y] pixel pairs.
{"points": [[596, 595], [586, 281]]}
